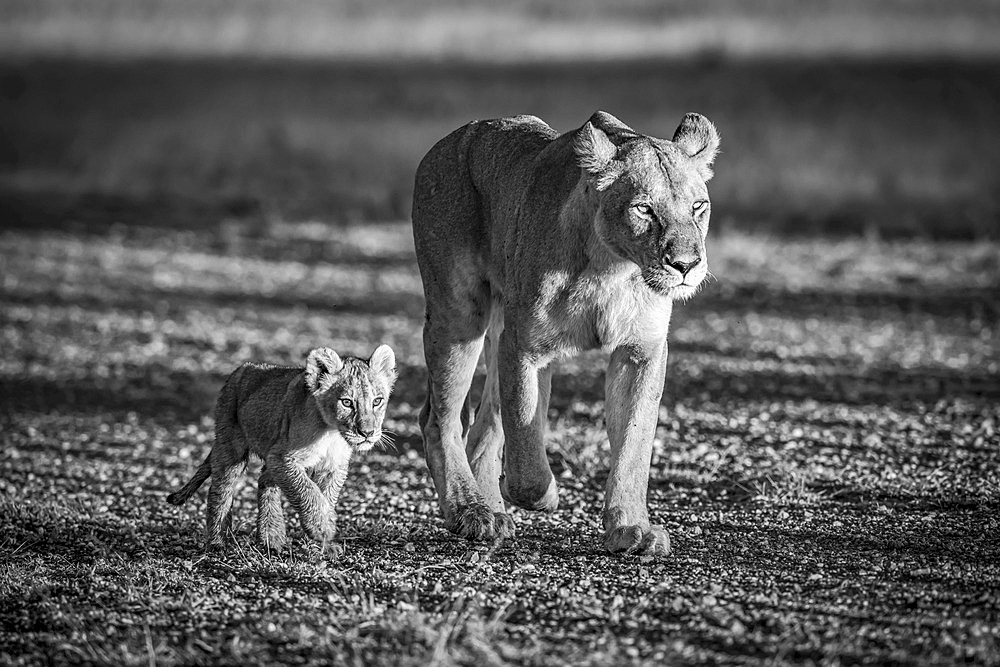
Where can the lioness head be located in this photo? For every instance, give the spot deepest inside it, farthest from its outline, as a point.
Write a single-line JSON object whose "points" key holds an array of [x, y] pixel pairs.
{"points": [[351, 394], [653, 204]]}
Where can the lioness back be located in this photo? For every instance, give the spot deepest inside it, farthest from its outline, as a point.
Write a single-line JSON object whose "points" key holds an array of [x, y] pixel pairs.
{"points": [[462, 187]]}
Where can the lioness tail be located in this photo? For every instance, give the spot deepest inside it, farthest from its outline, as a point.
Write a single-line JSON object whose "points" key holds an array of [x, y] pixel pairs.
{"points": [[204, 472]]}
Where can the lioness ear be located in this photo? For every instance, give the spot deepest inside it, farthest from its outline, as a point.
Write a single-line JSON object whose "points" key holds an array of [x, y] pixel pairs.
{"points": [[384, 361], [594, 150], [699, 139], [321, 366], [610, 125]]}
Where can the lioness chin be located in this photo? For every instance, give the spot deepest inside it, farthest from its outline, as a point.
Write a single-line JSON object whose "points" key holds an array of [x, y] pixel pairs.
{"points": [[534, 245], [305, 424]]}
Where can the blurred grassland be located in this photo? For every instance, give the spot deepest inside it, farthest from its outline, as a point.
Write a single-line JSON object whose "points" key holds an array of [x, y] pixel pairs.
{"points": [[189, 184], [893, 148], [524, 30], [837, 117]]}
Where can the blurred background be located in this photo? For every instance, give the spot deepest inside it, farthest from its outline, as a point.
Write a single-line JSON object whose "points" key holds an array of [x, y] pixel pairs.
{"points": [[838, 117], [186, 185]]}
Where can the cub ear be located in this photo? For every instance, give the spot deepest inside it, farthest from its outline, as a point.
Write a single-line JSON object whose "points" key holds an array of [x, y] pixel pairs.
{"points": [[699, 139], [594, 152], [384, 361], [322, 364]]}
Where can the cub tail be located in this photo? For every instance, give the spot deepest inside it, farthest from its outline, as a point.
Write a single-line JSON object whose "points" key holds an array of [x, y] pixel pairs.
{"points": [[204, 472]]}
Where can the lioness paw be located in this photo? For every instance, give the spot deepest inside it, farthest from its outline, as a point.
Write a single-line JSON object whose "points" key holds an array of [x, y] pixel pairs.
{"points": [[504, 525], [654, 541], [478, 523], [531, 496]]}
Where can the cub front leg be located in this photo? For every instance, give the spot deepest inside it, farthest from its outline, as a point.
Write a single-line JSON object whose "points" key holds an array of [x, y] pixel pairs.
{"points": [[632, 398], [304, 496], [330, 483]]}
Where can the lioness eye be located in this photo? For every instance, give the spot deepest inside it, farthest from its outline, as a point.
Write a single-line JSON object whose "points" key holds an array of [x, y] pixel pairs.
{"points": [[347, 403], [645, 210], [699, 206], [377, 402]]}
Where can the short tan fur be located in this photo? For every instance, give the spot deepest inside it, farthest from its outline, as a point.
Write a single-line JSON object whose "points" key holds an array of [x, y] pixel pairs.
{"points": [[534, 245]]}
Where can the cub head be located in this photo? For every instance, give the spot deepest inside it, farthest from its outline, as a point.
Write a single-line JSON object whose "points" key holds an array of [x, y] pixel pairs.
{"points": [[351, 394], [652, 199]]}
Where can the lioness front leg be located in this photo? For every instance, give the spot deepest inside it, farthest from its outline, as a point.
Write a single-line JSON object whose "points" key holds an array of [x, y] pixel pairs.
{"points": [[527, 480], [304, 496], [632, 400]]}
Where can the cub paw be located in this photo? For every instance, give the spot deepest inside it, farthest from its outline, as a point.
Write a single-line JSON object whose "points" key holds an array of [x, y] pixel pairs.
{"points": [[319, 527], [215, 545], [653, 541], [315, 553], [271, 542], [334, 550], [478, 523]]}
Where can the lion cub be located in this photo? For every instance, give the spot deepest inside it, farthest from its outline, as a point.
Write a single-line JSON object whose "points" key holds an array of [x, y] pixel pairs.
{"points": [[304, 423]]}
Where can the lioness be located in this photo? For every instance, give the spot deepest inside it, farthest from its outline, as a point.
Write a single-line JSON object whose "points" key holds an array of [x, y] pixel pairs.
{"points": [[546, 244], [304, 423]]}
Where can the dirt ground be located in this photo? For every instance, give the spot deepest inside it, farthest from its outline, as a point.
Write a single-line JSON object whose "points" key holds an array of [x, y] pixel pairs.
{"points": [[827, 460], [827, 457]]}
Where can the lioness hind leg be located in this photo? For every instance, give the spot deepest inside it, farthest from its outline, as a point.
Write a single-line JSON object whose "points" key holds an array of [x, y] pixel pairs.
{"points": [[485, 445], [270, 516], [451, 362], [527, 481]]}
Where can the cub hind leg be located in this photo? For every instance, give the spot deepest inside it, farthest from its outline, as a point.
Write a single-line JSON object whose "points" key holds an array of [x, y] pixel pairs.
{"points": [[270, 515], [228, 461]]}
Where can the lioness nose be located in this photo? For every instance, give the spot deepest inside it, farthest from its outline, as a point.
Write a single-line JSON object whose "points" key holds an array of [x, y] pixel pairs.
{"points": [[366, 433], [683, 264]]}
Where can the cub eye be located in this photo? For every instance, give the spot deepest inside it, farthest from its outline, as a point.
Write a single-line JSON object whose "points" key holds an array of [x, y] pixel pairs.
{"points": [[645, 210], [377, 402], [699, 206], [347, 403]]}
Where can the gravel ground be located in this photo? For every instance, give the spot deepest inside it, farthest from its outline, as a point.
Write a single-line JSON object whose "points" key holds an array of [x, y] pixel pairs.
{"points": [[827, 460]]}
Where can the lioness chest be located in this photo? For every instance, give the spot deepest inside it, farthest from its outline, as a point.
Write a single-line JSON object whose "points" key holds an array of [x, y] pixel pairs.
{"points": [[597, 310], [327, 452]]}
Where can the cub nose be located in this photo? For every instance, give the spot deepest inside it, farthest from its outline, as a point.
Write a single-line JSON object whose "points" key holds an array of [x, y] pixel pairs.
{"points": [[683, 264]]}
